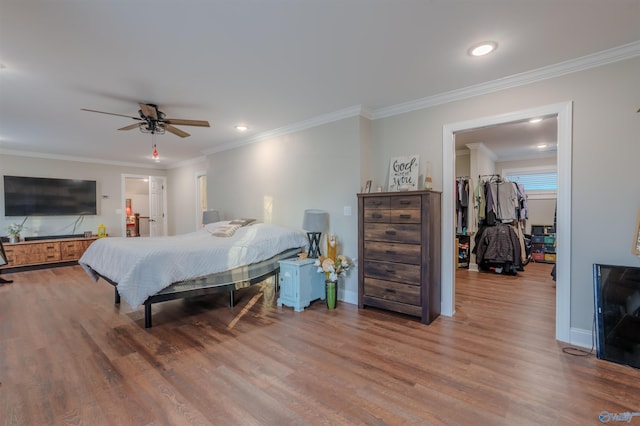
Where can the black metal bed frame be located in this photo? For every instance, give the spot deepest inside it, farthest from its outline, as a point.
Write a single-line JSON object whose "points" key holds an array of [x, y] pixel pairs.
{"points": [[210, 284]]}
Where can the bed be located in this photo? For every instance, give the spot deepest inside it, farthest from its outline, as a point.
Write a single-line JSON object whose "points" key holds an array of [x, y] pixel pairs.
{"points": [[222, 257]]}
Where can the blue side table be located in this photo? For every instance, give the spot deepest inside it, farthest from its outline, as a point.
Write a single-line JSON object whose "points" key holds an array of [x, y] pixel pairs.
{"points": [[300, 283]]}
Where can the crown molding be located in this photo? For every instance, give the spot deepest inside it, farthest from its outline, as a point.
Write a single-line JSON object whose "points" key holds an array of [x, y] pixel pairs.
{"points": [[349, 112], [76, 159], [605, 57], [479, 146], [189, 162]]}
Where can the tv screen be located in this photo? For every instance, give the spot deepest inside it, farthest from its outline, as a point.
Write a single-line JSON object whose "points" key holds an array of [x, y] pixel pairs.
{"points": [[617, 297], [34, 196]]}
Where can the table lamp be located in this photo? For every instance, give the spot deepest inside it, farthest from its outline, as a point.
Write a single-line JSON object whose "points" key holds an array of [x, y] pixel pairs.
{"points": [[315, 222], [210, 216]]}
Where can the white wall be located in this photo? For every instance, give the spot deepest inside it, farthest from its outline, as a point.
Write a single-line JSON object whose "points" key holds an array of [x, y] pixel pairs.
{"points": [[181, 197], [605, 159], [107, 177], [277, 179]]}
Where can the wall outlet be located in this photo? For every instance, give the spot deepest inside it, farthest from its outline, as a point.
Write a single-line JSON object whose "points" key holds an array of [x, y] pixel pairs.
{"points": [[347, 210]]}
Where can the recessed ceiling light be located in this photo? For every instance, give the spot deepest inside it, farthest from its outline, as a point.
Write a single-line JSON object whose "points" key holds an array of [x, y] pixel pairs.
{"points": [[483, 48], [542, 146], [242, 128], [535, 120]]}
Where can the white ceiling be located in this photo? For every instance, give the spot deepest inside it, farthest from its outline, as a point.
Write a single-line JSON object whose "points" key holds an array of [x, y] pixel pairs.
{"points": [[271, 64]]}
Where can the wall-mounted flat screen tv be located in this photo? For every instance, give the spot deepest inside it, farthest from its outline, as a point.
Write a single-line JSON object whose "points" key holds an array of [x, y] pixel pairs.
{"points": [[35, 196]]}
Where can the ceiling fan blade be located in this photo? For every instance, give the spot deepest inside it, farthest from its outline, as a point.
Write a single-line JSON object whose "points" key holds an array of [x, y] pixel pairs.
{"points": [[109, 113], [149, 111], [130, 126], [176, 131], [180, 122]]}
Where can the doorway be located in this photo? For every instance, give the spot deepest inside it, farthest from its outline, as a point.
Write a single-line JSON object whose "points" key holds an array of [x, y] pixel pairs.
{"points": [[564, 137], [144, 201]]}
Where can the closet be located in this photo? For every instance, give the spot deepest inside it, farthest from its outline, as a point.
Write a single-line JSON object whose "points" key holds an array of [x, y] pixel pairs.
{"points": [[501, 206]]}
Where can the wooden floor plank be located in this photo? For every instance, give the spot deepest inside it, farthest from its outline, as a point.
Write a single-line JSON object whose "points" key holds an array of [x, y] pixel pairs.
{"points": [[68, 355]]}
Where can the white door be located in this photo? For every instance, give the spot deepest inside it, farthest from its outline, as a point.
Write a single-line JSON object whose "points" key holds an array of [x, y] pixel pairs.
{"points": [[157, 218]]}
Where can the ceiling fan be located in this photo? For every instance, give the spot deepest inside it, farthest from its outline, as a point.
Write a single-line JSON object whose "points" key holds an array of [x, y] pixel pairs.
{"points": [[154, 121]]}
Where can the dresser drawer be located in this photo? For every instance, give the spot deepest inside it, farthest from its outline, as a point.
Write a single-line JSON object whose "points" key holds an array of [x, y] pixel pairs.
{"points": [[377, 203], [404, 216], [403, 253], [391, 271], [393, 233], [389, 290], [377, 215], [406, 202]]}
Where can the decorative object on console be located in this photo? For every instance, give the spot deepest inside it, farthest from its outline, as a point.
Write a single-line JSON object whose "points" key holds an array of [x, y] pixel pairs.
{"points": [[102, 231], [315, 222], [14, 231]]}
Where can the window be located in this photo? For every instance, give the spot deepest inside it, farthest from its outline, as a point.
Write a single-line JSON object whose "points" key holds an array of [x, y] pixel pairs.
{"points": [[538, 182]]}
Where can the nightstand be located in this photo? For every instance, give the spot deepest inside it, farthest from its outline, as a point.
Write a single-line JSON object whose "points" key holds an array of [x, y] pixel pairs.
{"points": [[300, 283]]}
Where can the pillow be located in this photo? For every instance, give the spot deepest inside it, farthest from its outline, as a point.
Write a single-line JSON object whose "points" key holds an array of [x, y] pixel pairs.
{"points": [[242, 222], [225, 231]]}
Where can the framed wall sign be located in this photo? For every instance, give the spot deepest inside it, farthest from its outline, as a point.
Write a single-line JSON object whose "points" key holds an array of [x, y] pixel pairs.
{"points": [[404, 173]]}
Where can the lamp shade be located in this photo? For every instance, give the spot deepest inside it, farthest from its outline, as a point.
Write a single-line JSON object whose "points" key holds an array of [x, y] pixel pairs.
{"points": [[210, 216], [315, 220]]}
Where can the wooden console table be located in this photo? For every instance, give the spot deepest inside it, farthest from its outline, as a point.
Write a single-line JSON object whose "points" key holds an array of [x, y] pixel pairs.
{"points": [[43, 252]]}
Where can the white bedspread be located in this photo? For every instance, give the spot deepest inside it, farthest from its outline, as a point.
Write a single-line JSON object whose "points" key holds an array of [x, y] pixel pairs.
{"points": [[143, 266]]}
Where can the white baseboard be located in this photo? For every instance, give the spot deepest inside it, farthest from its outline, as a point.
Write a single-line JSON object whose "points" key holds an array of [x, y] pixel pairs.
{"points": [[582, 338]]}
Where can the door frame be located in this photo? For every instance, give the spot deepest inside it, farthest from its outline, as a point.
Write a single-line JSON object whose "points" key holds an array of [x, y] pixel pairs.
{"points": [[123, 192], [563, 111]]}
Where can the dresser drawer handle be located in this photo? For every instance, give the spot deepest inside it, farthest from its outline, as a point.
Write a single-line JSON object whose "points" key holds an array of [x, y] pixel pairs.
{"points": [[389, 290], [376, 216], [50, 256], [391, 271], [390, 232], [405, 202], [376, 203], [405, 216], [390, 252]]}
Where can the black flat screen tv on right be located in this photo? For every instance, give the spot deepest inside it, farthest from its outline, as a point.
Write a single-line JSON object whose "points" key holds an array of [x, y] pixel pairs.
{"points": [[617, 304], [36, 196]]}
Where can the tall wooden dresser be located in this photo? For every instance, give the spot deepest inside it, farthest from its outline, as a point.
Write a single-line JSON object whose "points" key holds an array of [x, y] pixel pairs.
{"points": [[399, 252]]}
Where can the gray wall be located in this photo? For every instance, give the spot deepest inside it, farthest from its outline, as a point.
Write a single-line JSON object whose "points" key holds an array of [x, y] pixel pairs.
{"points": [[605, 156], [277, 179], [109, 191]]}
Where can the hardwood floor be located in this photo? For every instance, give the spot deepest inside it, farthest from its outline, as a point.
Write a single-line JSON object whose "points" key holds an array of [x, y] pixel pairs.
{"points": [[69, 356]]}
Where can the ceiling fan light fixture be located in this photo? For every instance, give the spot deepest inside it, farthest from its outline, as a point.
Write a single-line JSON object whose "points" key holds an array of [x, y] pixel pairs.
{"points": [[483, 48]]}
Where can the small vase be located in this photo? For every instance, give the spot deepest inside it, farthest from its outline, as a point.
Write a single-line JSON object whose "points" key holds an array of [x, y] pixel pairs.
{"points": [[14, 238], [331, 289]]}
